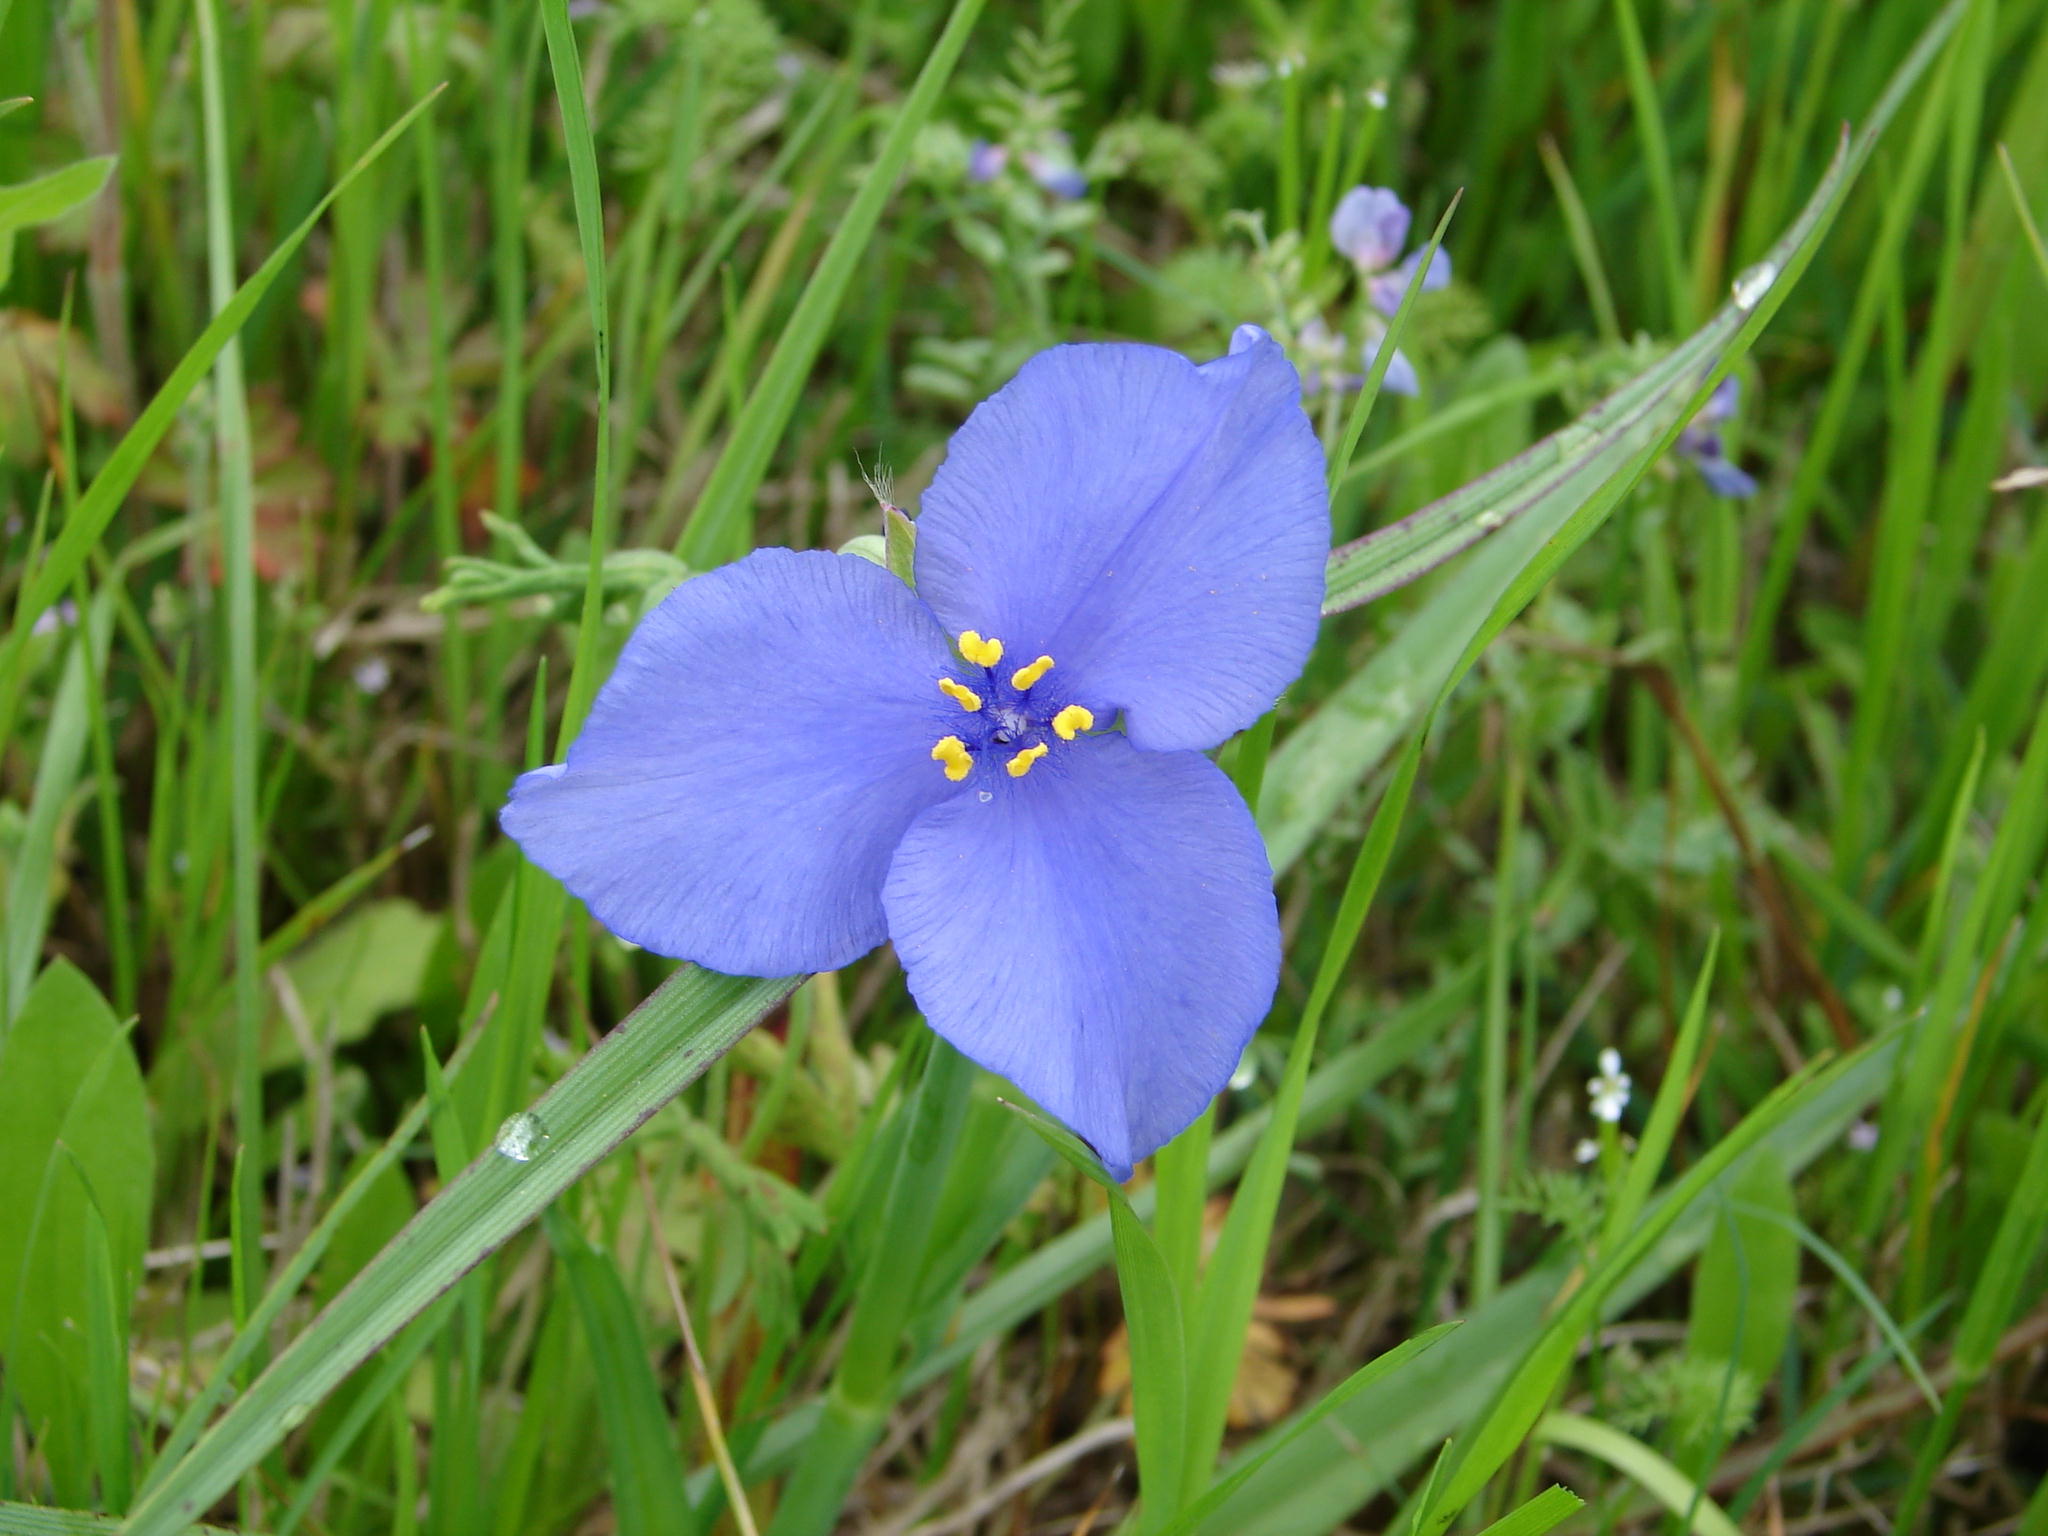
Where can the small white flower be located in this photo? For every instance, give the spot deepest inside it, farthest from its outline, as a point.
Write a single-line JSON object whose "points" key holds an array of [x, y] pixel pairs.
{"points": [[1863, 1136], [1609, 1091], [1586, 1151]]}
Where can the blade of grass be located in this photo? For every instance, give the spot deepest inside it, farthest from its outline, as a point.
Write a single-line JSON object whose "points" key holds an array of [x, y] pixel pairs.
{"points": [[643, 1063], [1643, 1467], [103, 498], [716, 529], [236, 488]]}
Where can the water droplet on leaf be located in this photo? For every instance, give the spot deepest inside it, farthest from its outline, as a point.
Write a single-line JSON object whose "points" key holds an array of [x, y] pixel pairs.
{"points": [[1752, 283], [984, 796], [521, 1137]]}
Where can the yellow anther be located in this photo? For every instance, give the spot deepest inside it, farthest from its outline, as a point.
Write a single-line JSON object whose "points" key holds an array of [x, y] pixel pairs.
{"points": [[1024, 677], [952, 751], [1020, 765], [983, 653], [965, 697], [1072, 721]]}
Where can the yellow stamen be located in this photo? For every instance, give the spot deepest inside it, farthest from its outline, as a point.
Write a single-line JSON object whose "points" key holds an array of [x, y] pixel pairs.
{"points": [[1024, 677], [983, 653], [952, 751], [1071, 721], [1020, 765], [965, 697]]}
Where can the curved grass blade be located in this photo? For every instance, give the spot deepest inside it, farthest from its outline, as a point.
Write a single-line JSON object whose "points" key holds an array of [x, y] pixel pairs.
{"points": [[1641, 1466], [716, 528], [1543, 503], [1611, 431], [664, 1046], [96, 508]]}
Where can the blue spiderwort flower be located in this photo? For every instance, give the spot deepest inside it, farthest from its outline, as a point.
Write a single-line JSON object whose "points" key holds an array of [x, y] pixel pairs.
{"points": [[1119, 565], [1700, 443], [1370, 225], [1320, 354]]}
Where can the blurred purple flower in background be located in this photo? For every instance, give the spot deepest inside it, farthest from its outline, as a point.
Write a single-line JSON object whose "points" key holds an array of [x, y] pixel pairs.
{"points": [[1052, 167], [1370, 225], [1700, 443], [1119, 565]]}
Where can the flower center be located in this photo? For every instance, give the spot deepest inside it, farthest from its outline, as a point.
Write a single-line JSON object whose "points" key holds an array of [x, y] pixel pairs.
{"points": [[1009, 715]]}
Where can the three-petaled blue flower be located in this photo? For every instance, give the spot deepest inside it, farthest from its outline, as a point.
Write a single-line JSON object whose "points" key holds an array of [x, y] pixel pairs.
{"points": [[1369, 226], [1119, 565]]}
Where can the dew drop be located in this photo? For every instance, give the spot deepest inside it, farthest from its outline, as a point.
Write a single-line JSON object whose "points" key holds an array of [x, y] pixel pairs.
{"points": [[521, 1137], [984, 795], [1752, 283]]}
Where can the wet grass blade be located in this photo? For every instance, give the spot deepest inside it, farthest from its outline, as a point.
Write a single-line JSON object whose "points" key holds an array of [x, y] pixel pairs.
{"points": [[664, 1046]]}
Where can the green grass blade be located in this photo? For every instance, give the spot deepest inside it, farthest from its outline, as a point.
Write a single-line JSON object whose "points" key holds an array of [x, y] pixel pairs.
{"points": [[715, 531], [1548, 1510], [110, 487], [648, 1497], [1366, 1375], [642, 1064], [1642, 1466]]}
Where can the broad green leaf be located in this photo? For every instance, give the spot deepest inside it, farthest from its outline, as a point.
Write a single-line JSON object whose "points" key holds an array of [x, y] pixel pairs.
{"points": [[74, 1139], [371, 963], [1742, 1288], [657, 1052], [1642, 1466], [46, 198]]}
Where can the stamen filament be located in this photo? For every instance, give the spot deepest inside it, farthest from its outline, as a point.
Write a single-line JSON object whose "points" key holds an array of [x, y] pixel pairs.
{"points": [[1020, 765], [983, 653], [952, 751], [1071, 721], [964, 696], [1024, 677]]}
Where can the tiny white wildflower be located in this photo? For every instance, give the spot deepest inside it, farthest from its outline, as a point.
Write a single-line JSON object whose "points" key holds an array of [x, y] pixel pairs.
{"points": [[1863, 1136], [1586, 1151], [1609, 1091]]}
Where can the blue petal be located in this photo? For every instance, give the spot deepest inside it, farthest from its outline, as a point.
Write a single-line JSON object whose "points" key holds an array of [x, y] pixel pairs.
{"points": [[1723, 403], [985, 161], [1388, 289], [1101, 932], [1158, 529], [746, 774], [1723, 477], [1369, 225], [1401, 378]]}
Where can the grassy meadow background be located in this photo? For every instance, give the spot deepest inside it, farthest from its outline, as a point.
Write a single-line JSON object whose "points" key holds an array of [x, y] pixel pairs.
{"points": [[1751, 791]]}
